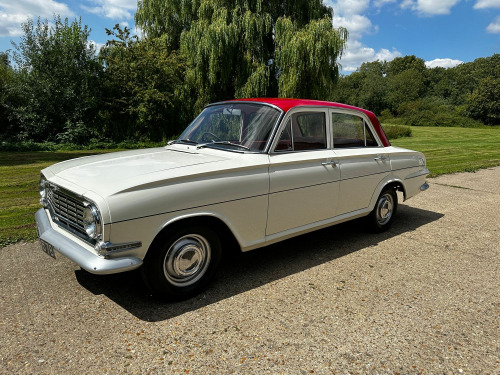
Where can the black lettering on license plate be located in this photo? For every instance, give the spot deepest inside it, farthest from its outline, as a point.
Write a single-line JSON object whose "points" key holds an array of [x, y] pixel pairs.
{"points": [[48, 249]]}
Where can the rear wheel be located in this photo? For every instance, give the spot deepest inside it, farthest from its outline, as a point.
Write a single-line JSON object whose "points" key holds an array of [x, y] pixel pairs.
{"points": [[182, 262], [383, 213]]}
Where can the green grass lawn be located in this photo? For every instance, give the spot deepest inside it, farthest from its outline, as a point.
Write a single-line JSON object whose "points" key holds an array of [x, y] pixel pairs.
{"points": [[451, 150], [19, 175], [448, 150]]}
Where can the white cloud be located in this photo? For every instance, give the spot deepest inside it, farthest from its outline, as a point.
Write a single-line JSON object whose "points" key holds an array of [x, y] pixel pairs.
{"points": [[124, 9], [350, 14], [97, 45], [431, 7], [357, 53], [137, 31], [494, 27], [381, 3], [356, 24], [15, 12], [483, 4], [443, 63], [349, 7]]}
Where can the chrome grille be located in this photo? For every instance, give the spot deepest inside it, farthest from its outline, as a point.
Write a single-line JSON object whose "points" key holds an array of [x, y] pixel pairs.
{"points": [[66, 210]]}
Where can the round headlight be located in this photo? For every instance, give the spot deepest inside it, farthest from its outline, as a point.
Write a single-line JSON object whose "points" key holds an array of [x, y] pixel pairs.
{"points": [[41, 186], [91, 222]]}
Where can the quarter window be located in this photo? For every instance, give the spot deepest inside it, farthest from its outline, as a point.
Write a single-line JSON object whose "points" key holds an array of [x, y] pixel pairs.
{"points": [[304, 131], [351, 131]]}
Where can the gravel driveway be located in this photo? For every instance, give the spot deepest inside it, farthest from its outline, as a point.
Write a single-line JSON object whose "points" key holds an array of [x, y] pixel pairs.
{"points": [[421, 298]]}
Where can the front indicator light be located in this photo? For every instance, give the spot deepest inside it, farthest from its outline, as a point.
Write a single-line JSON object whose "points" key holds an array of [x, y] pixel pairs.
{"points": [[42, 188]]}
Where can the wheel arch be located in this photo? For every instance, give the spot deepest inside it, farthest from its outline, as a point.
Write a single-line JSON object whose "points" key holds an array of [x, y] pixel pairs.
{"points": [[394, 183], [217, 224]]}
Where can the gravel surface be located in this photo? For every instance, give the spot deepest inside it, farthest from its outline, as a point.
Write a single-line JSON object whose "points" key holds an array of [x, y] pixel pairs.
{"points": [[421, 298]]}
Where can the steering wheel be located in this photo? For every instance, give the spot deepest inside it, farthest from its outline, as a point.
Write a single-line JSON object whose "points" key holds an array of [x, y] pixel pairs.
{"points": [[209, 137]]}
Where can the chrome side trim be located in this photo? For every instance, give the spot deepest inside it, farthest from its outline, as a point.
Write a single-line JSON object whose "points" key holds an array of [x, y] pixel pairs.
{"points": [[108, 248], [78, 254], [424, 187]]}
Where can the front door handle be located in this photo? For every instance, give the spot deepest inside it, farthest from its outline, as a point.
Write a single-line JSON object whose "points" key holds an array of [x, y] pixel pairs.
{"points": [[330, 162], [381, 158]]}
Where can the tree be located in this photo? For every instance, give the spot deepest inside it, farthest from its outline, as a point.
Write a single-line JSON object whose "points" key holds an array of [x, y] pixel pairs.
{"points": [[58, 81], [240, 49], [142, 82], [171, 18], [404, 87], [402, 64], [6, 79], [305, 55], [484, 102]]}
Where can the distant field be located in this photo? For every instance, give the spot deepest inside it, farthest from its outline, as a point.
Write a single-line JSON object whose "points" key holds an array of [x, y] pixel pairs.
{"points": [[448, 150]]}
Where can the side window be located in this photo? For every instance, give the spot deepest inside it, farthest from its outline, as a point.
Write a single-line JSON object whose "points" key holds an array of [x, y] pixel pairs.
{"points": [[351, 131], [304, 131]]}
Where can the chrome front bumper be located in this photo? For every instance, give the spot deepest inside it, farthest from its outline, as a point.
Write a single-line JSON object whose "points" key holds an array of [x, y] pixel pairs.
{"points": [[78, 254]]}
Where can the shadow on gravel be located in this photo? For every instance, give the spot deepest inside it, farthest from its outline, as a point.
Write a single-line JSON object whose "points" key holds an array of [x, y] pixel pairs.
{"points": [[241, 272]]}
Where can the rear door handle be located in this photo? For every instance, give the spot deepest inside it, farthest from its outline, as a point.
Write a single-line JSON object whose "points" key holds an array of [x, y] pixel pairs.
{"points": [[381, 158]]}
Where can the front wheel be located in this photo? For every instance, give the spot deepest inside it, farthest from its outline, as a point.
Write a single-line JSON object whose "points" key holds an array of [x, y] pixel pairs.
{"points": [[383, 213], [182, 262]]}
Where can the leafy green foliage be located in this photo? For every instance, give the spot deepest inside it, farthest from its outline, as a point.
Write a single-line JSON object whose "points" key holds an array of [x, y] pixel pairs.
{"points": [[433, 111], [397, 131], [200, 51], [405, 91], [142, 80], [484, 102], [241, 49], [307, 57], [57, 81], [7, 76], [93, 144]]}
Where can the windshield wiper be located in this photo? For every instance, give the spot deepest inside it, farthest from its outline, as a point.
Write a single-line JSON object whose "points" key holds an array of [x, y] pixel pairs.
{"points": [[188, 141], [222, 143]]}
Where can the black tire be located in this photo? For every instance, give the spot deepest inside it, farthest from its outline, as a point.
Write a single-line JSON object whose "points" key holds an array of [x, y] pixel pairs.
{"points": [[181, 262], [382, 216]]}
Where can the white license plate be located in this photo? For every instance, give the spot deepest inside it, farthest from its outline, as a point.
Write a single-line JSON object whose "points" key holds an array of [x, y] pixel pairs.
{"points": [[48, 248]]}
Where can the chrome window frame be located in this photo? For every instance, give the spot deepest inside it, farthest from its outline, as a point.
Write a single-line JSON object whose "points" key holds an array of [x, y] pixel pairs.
{"points": [[288, 116], [366, 122], [273, 129]]}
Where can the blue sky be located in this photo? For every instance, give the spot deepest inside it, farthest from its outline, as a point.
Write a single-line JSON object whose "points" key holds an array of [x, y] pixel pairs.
{"points": [[442, 32]]}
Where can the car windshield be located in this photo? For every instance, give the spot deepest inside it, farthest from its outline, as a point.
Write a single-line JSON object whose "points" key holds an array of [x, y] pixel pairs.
{"points": [[234, 126]]}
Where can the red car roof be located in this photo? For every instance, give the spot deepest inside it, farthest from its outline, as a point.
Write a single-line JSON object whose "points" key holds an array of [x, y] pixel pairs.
{"points": [[286, 104]]}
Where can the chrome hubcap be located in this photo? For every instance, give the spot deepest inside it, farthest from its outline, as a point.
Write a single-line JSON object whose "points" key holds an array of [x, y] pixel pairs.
{"points": [[187, 260], [385, 207]]}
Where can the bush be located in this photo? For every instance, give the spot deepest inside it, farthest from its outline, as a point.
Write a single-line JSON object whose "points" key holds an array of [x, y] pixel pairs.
{"points": [[93, 145], [396, 131], [434, 111]]}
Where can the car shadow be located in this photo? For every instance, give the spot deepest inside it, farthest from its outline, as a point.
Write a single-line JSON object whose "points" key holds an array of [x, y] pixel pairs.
{"points": [[245, 271]]}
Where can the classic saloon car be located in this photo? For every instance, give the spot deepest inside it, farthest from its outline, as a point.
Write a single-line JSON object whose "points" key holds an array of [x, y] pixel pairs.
{"points": [[251, 172]]}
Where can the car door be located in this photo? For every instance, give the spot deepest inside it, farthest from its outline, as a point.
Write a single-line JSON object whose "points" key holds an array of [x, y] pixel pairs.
{"points": [[304, 177], [362, 161]]}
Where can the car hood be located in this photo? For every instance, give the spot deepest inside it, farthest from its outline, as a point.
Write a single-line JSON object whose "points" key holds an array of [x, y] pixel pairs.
{"points": [[111, 173]]}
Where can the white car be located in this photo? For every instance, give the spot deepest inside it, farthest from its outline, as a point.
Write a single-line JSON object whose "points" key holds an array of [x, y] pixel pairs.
{"points": [[251, 172]]}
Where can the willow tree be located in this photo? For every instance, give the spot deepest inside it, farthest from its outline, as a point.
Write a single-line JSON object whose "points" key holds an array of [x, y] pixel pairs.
{"points": [[307, 57], [249, 47]]}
